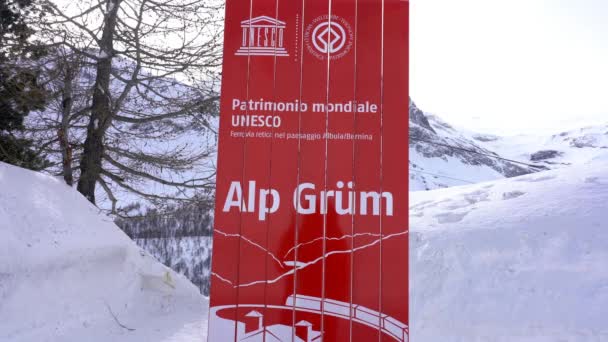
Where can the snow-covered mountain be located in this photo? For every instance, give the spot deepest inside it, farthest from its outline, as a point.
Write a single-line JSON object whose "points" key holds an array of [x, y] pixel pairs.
{"points": [[518, 260], [68, 274], [441, 156], [573, 147]]}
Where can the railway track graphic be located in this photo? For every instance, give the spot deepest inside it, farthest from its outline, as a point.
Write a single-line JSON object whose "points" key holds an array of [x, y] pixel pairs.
{"points": [[227, 330]]}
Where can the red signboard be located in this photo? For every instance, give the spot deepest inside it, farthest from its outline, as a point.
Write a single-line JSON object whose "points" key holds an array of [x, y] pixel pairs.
{"points": [[311, 224]]}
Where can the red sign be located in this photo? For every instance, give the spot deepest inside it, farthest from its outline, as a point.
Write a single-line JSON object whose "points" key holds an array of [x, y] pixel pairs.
{"points": [[311, 224]]}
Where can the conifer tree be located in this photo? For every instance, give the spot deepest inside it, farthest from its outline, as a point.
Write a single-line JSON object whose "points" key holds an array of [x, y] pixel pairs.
{"points": [[19, 89]]}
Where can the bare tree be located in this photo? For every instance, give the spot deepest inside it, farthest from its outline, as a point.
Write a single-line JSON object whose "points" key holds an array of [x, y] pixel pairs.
{"points": [[57, 130], [135, 90]]}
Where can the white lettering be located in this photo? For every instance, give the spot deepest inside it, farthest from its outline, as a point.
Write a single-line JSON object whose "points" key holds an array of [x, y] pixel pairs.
{"points": [[256, 121], [351, 199], [325, 195], [251, 36], [376, 202], [310, 201], [305, 200], [264, 209], [235, 198], [251, 197]]}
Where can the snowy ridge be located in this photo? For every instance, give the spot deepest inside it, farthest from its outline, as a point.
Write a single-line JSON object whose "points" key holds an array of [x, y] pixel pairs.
{"points": [[522, 259], [573, 147], [441, 156], [67, 273]]}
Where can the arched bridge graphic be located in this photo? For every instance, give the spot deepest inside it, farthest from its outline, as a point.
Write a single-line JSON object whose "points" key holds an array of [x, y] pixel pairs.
{"points": [[225, 329]]}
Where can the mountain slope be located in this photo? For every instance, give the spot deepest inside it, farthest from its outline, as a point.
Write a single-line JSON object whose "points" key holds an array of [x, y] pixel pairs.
{"points": [[522, 259], [559, 150], [67, 273], [441, 156]]}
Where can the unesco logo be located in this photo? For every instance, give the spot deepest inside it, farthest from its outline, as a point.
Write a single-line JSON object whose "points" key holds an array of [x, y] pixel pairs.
{"points": [[263, 36], [325, 37]]}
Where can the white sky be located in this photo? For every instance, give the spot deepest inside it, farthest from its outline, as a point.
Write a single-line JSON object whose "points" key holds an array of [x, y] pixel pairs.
{"points": [[511, 66]]}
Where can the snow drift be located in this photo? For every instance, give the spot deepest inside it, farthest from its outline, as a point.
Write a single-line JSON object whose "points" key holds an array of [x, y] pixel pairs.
{"points": [[67, 273], [521, 259]]}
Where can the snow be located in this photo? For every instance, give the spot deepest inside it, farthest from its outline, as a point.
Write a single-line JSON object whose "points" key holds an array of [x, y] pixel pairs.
{"points": [[445, 171], [435, 165], [103, 54], [67, 273], [521, 259], [577, 146], [190, 256]]}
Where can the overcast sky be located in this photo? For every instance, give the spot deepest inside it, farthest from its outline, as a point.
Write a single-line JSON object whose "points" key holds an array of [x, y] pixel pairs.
{"points": [[513, 66]]}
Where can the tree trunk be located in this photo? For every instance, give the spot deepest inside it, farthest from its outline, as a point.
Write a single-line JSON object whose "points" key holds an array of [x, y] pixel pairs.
{"points": [[63, 132], [101, 109]]}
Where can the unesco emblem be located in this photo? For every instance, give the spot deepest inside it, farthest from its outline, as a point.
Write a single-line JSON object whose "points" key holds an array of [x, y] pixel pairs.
{"points": [[263, 36], [325, 37]]}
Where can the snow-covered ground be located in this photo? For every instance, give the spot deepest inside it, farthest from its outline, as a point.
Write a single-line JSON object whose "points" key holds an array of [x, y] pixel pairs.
{"points": [[190, 256], [522, 259], [67, 273], [519, 260]]}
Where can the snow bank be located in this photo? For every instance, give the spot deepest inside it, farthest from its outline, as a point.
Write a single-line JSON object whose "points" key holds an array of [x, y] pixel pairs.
{"points": [[67, 273], [188, 255], [523, 259]]}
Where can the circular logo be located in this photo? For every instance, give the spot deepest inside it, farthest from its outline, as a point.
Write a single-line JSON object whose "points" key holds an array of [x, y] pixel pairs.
{"points": [[329, 38]]}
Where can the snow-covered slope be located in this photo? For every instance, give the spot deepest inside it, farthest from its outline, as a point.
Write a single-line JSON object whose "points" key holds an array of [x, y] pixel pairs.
{"points": [[67, 273], [563, 149], [523, 259], [189, 255], [441, 156]]}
